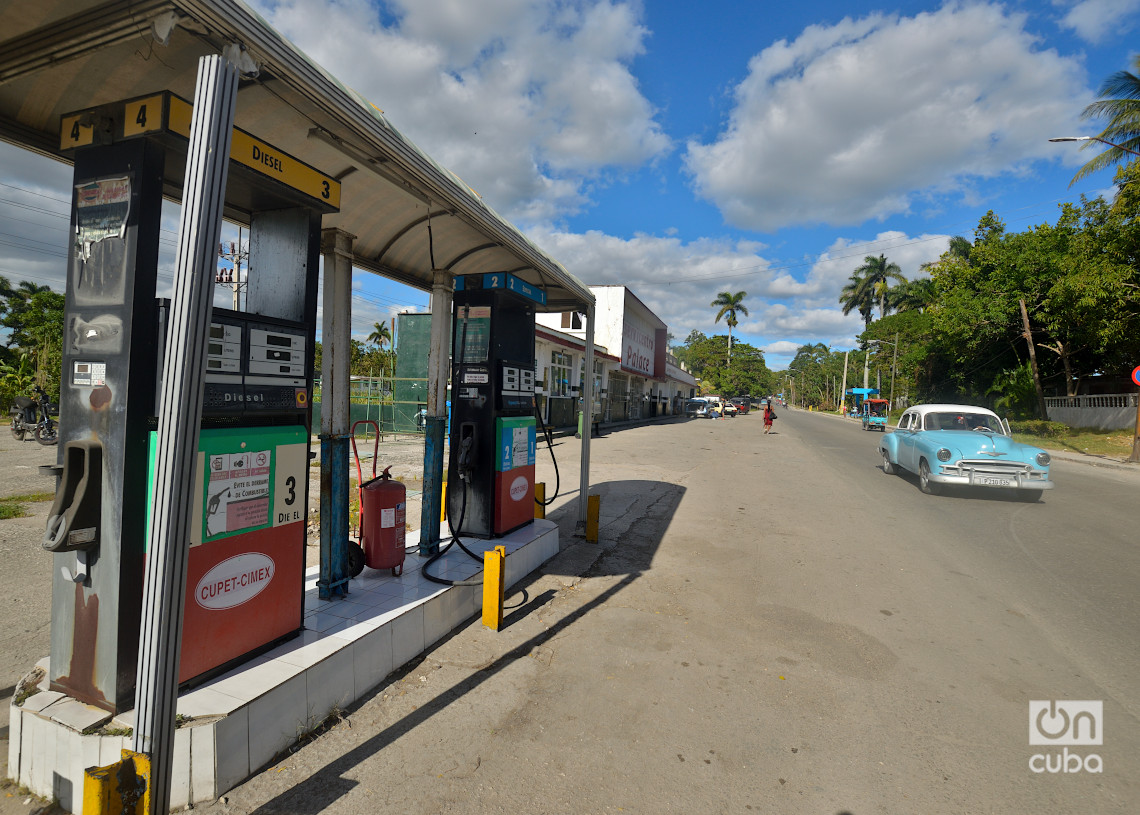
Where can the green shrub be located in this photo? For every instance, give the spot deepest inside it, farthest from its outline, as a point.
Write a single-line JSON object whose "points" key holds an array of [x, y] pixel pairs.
{"points": [[1040, 427]]}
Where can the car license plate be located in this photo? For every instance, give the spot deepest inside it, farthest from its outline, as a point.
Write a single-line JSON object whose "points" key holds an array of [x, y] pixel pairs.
{"points": [[994, 482]]}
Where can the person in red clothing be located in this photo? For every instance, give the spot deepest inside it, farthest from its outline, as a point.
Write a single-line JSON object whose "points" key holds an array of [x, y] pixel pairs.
{"points": [[769, 416]]}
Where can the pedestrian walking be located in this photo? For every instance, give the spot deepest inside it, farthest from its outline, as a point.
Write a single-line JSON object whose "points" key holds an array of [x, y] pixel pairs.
{"points": [[769, 417]]}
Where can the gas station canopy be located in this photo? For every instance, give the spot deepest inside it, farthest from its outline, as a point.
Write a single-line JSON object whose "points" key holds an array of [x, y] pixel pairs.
{"points": [[62, 56]]}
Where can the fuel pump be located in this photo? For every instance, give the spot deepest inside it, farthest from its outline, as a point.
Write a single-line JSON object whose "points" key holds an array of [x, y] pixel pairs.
{"points": [[491, 467], [246, 560]]}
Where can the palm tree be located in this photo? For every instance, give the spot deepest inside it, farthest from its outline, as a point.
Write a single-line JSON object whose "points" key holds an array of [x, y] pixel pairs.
{"points": [[729, 304], [878, 273], [380, 336], [858, 294], [912, 295], [1120, 104]]}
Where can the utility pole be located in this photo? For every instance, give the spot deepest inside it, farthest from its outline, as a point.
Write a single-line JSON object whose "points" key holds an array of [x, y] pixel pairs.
{"points": [[843, 391], [235, 253], [1135, 457], [894, 361]]}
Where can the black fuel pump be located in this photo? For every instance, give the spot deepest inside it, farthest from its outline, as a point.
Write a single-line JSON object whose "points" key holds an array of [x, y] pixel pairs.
{"points": [[491, 468]]}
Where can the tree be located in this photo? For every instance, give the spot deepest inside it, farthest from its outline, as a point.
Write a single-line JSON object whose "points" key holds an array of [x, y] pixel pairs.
{"points": [[1120, 104], [35, 316], [877, 273], [729, 304], [705, 357], [912, 295], [858, 294], [381, 335], [20, 375]]}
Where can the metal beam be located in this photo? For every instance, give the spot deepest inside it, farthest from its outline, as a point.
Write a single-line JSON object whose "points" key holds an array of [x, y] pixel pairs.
{"points": [[179, 420], [72, 37]]}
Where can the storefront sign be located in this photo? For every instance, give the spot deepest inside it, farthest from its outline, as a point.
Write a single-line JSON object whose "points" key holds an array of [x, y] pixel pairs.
{"points": [[637, 346]]}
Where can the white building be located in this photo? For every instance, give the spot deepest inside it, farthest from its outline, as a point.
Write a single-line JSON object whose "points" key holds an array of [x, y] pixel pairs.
{"points": [[643, 381]]}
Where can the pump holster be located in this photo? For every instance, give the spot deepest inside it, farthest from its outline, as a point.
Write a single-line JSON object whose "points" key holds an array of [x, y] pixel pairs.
{"points": [[73, 520]]}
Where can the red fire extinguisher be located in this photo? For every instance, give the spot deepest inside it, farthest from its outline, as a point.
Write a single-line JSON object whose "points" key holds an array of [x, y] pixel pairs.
{"points": [[382, 509]]}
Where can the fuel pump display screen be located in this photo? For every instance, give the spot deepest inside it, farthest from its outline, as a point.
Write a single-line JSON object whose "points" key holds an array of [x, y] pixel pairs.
{"points": [[475, 335]]}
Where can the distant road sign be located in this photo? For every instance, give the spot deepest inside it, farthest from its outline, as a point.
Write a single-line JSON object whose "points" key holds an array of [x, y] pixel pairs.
{"points": [[1136, 374]]}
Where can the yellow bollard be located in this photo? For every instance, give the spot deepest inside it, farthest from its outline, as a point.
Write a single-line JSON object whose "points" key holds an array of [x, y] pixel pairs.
{"points": [[443, 503], [593, 511], [122, 788], [494, 573], [540, 500]]}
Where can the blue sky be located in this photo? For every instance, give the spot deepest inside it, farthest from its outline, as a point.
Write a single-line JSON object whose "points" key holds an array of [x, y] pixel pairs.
{"points": [[685, 149]]}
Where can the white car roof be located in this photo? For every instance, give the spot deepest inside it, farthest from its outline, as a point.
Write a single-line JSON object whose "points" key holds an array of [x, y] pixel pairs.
{"points": [[922, 410]]}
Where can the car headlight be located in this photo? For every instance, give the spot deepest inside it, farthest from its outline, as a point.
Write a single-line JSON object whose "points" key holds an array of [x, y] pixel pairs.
{"points": [[943, 454], [1043, 459]]}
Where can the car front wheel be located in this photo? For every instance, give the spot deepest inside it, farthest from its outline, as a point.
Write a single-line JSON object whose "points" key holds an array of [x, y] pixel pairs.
{"points": [[888, 467], [924, 483]]}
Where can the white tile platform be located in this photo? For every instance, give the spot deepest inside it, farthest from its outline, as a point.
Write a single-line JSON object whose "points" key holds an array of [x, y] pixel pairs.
{"points": [[242, 719]]}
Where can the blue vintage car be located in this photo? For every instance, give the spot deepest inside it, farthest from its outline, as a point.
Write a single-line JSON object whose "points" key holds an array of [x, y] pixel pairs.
{"points": [[966, 445]]}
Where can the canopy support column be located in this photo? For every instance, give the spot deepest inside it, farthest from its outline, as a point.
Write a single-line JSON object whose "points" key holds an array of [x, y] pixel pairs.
{"points": [[336, 353], [587, 421], [442, 289]]}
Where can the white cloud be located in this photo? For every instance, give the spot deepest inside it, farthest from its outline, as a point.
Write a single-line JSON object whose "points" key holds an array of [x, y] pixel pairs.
{"points": [[1092, 20], [856, 121], [524, 99], [679, 281]]}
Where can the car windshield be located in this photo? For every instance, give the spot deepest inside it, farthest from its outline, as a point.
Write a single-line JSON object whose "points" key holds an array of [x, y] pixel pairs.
{"points": [[962, 421]]}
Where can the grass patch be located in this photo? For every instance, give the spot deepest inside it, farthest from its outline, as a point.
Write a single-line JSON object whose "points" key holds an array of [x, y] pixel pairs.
{"points": [[1111, 443], [14, 505], [1057, 436]]}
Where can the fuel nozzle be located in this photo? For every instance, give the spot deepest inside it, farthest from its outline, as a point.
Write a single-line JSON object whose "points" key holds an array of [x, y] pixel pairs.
{"points": [[466, 462]]}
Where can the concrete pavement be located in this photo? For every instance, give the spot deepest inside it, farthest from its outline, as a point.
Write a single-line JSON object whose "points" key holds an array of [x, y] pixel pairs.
{"points": [[727, 647]]}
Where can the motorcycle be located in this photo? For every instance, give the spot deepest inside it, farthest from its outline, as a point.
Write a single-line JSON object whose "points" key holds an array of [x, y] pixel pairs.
{"points": [[34, 417]]}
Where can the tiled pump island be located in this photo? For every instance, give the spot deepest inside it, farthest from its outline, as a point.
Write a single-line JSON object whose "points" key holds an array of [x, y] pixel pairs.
{"points": [[237, 723]]}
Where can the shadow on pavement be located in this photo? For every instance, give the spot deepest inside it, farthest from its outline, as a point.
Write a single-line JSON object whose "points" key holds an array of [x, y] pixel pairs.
{"points": [[629, 558]]}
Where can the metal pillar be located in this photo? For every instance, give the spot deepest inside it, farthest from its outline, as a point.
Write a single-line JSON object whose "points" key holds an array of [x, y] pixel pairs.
{"points": [[442, 289], [336, 351], [179, 420], [587, 424]]}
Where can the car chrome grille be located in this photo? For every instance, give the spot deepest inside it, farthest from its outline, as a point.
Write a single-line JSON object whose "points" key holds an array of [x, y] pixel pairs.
{"points": [[972, 468]]}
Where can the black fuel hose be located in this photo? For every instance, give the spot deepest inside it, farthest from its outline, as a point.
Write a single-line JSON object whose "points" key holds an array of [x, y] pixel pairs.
{"points": [[464, 471], [550, 447]]}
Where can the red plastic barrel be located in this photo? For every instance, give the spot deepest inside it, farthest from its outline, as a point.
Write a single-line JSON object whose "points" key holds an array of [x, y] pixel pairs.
{"points": [[383, 509]]}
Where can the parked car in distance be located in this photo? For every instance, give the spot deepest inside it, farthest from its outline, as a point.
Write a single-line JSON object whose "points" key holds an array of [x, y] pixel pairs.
{"points": [[696, 408], [719, 406], [964, 445], [742, 404]]}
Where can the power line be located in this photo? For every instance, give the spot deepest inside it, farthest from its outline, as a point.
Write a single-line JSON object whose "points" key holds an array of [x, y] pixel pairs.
{"points": [[860, 249]]}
